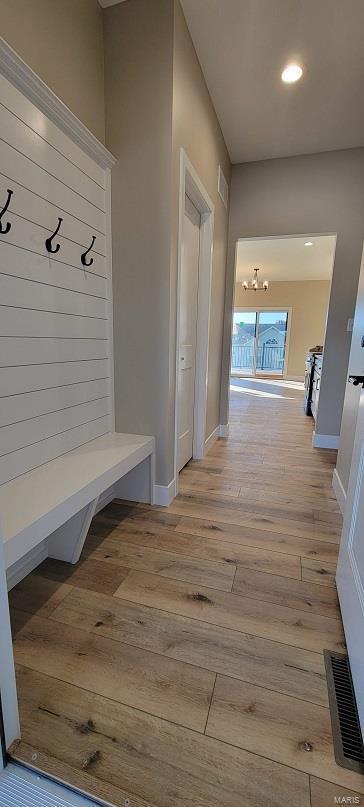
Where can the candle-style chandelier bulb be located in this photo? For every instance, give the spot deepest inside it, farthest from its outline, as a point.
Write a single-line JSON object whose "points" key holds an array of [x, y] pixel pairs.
{"points": [[255, 284]]}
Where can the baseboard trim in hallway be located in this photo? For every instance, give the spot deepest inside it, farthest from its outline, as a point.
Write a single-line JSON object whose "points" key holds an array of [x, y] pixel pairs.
{"points": [[224, 430], [212, 438], [325, 440], [221, 431], [164, 494]]}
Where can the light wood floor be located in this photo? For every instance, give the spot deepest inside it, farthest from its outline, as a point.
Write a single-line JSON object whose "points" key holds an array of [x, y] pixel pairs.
{"points": [[179, 663]]}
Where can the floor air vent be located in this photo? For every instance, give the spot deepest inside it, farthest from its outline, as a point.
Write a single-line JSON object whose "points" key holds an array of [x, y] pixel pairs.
{"points": [[348, 743]]}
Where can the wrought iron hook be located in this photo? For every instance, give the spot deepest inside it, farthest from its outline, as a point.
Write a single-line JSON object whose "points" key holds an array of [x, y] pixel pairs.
{"points": [[84, 254], [49, 240], [4, 230]]}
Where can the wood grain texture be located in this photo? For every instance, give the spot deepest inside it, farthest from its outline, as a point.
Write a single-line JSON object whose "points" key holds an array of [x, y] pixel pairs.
{"points": [[138, 753], [249, 658], [122, 546], [87, 573], [125, 674], [304, 596], [261, 539], [316, 572], [75, 777], [170, 564], [323, 794], [37, 594], [230, 511], [299, 628], [292, 732]]}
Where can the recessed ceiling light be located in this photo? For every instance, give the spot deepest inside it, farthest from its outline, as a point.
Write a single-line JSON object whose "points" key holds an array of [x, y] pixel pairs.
{"points": [[308, 244], [291, 73]]}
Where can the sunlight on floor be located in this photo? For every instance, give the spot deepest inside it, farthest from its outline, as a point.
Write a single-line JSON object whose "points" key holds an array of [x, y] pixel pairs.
{"points": [[277, 382], [258, 392]]}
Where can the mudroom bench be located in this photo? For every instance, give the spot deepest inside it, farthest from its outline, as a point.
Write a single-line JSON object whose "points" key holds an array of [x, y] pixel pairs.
{"points": [[47, 511]]}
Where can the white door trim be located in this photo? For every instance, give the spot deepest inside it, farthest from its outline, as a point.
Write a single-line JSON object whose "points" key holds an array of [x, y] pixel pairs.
{"points": [[191, 185]]}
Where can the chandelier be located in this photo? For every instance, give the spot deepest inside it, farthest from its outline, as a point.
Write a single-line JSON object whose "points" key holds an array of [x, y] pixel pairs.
{"points": [[255, 284]]}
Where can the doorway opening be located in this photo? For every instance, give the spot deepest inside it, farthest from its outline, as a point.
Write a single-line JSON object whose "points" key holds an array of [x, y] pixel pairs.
{"points": [[259, 342], [279, 325], [293, 301]]}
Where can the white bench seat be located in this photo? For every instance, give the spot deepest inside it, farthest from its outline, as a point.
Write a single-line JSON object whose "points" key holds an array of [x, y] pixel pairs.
{"points": [[54, 503]]}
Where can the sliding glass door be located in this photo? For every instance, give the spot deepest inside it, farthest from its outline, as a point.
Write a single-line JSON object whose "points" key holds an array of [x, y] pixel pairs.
{"points": [[259, 342], [243, 342]]}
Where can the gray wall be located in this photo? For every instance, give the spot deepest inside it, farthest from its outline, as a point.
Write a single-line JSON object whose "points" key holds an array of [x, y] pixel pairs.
{"points": [[62, 41], [197, 130], [138, 72], [156, 103], [320, 193]]}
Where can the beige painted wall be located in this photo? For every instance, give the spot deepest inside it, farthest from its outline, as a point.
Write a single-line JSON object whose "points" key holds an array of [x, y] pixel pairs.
{"points": [[308, 301], [197, 130], [138, 71], [320, 193], [62, 41], [156, 102]]}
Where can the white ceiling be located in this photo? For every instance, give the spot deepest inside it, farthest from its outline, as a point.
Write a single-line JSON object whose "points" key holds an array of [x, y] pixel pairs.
{"points": [[243, 45], [286, 258]]}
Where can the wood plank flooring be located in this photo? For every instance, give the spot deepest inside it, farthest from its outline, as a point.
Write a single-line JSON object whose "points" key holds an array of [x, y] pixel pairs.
{"points": [[180, 662]]}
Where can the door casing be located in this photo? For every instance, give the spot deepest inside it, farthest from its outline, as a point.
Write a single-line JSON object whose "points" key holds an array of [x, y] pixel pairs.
{"points": [[191, 185], [188, 325]]}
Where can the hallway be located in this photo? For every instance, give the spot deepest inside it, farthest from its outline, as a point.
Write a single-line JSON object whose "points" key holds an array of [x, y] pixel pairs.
{"points": [[180, 661]]}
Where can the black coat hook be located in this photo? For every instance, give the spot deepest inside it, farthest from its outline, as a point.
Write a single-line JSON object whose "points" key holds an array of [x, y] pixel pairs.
{"points": [[83, 256], [4, 230], [49, 240]]}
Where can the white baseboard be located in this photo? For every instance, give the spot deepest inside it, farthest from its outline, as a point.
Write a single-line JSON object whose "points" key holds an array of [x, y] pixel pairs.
{"points": [[212, 438], [163, 495], [339, 490], [21, 568], [325, 440], [220, 431]]}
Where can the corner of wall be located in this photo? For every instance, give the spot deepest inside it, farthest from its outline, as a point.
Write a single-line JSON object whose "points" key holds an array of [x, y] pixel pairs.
{"points": [[339, 491]]}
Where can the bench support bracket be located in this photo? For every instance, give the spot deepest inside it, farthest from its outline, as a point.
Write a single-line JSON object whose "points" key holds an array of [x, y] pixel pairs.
{"points": [[67, 541]]}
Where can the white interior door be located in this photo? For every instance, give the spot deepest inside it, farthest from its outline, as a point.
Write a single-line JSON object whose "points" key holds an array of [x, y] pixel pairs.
{"points": [[350, 572], [190, 253]]}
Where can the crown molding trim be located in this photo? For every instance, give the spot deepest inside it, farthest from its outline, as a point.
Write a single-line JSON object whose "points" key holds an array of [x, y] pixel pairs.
{"points": [[26, 80]]}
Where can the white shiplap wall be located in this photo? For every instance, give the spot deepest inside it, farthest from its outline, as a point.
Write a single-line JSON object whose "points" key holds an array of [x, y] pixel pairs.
{"points": [[56, 387]]}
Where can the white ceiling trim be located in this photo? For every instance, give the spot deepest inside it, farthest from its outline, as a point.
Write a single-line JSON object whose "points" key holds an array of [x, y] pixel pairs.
{"points": [[25, 80]]}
